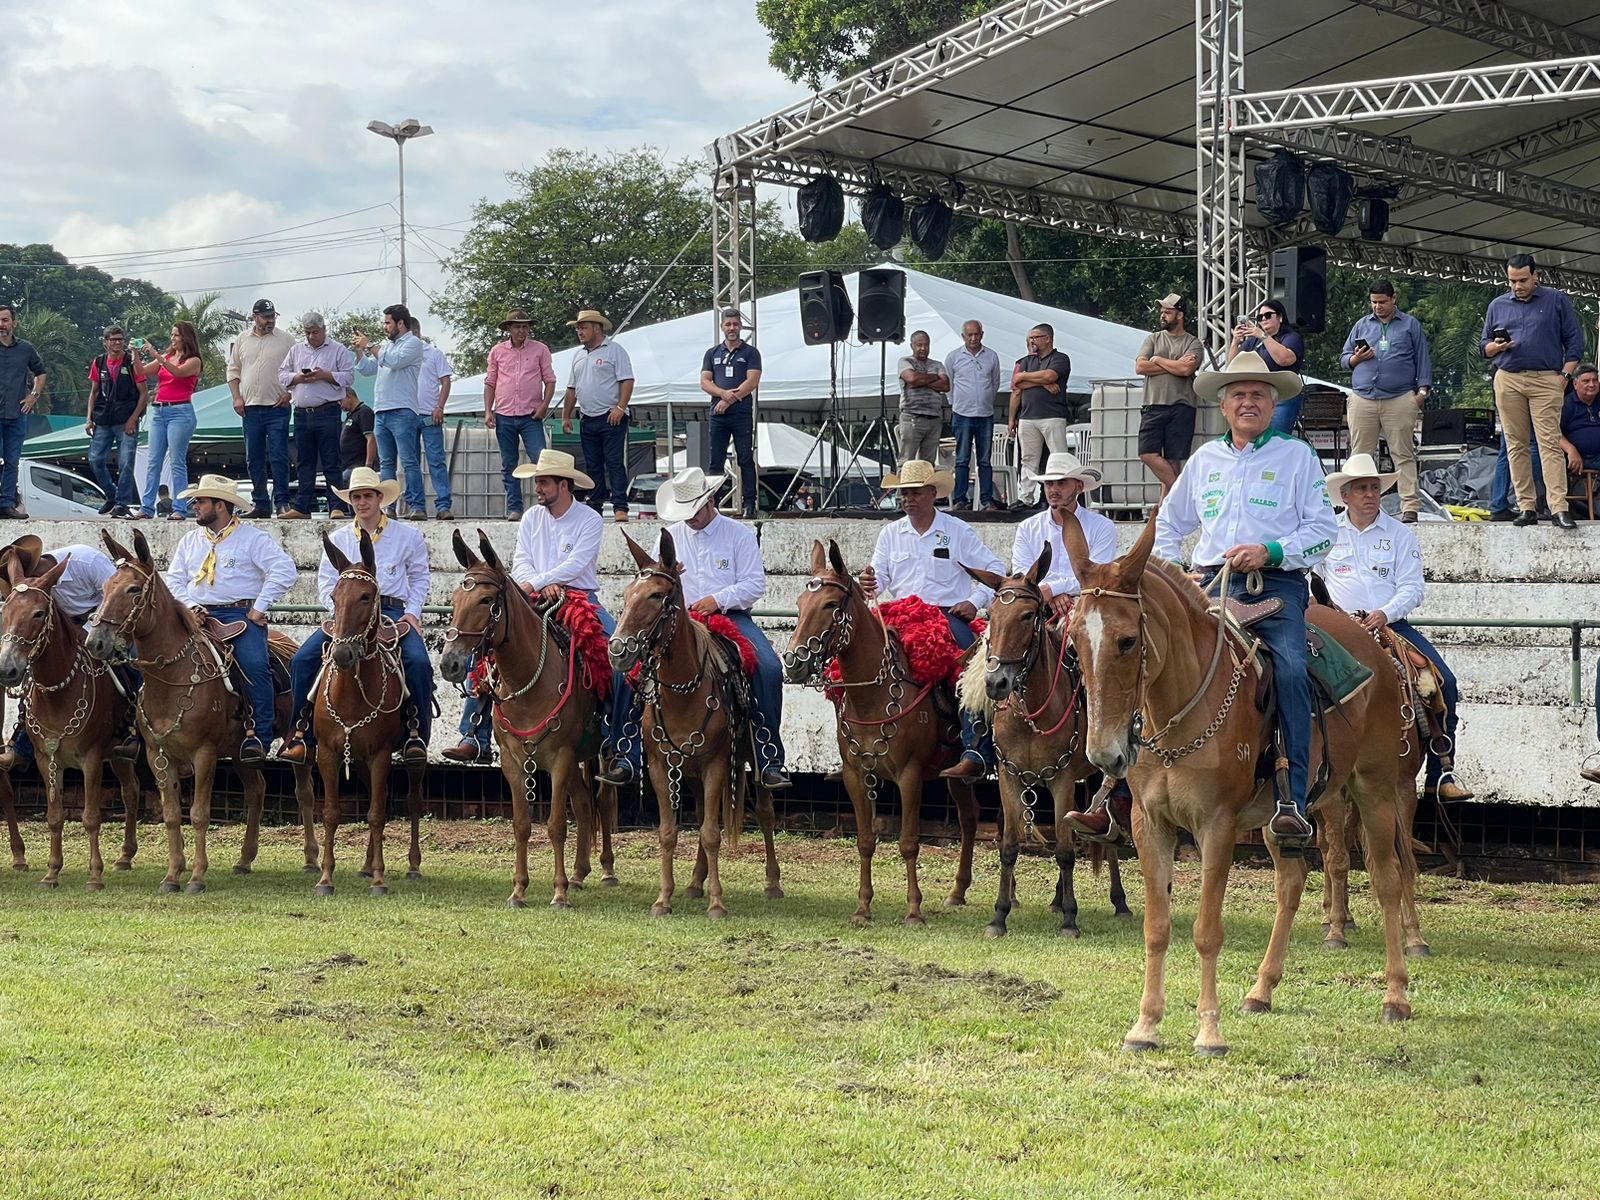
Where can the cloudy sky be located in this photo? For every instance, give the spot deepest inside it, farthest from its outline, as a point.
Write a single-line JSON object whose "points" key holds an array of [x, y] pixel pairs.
{"points": [[151, 139]]}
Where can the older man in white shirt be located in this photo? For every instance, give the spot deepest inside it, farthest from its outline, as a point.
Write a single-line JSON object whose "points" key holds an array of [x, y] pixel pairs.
{"points": [[723, 573], [923, 554], [1065, 479]]}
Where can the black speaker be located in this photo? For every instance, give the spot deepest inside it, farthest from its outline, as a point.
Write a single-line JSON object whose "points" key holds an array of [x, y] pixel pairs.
{"points": [[881, 301], [825, 312], [1373, 217], [1300, 280]]}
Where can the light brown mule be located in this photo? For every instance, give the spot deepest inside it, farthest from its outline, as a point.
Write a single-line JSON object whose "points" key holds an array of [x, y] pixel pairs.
{"points": [[888, 727], [1145, 636], [73, 712], [186, 711], [358, 714], [545, 713], [1032, 681], [691, 687]]}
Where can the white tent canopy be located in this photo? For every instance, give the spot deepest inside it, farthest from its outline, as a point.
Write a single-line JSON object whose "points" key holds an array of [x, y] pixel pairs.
{"points": [[795, 377], [785, 448]]}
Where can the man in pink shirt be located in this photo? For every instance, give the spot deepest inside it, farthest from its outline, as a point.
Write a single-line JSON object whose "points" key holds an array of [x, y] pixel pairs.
{"points": [[517, 392]]}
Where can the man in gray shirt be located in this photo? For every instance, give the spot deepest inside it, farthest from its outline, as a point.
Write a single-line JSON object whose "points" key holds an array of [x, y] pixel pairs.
{"points": [[600, 386], [1168, 360], [974, 372], [1386, 353], [923, 384], [21, 385]]}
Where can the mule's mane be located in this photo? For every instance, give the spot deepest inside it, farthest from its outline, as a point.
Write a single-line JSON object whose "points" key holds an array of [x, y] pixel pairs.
{"points": [[1187, 589], [163, 594]]}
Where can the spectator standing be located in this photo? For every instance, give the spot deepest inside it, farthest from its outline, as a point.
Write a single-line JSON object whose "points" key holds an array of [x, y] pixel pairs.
{"points": [[394, 396], [923, 384], [729, 374], [172, 419], [316, 374], [517, 391], [600, 386], [433, 392], [974, 373], [358, 447], [19, 362], [1269, 336], [1532, 336], [254, 360], [1168, 359], [1040, 410], [1386, 353], [116, 406]]}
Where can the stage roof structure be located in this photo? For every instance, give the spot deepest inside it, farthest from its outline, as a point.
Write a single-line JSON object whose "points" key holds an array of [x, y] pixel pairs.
{"points": [[1144, 119]]}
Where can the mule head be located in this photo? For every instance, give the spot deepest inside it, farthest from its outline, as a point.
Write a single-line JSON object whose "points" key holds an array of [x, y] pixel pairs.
{"points": [[646, 603], [27, 619], [823, 607], [473, 608], [355, 602], [124, 601], [464, 554], [1016, 615]]}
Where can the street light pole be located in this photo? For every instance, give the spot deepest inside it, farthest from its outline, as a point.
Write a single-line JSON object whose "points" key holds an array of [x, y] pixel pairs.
{"points": [[399, 135]]}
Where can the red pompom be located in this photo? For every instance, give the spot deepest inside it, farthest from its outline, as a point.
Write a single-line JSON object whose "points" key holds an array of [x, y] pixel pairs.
{"points": [[589, 637], [717, 623], [932, 655]]}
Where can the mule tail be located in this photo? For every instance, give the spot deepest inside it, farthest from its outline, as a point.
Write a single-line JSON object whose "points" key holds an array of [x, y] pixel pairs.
{"points": [[1095, 852], [733, 807], [971, 689]]}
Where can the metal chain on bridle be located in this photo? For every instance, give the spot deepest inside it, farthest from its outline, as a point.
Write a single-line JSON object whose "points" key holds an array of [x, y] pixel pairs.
{"points": [[91, 668], [368, 646]]}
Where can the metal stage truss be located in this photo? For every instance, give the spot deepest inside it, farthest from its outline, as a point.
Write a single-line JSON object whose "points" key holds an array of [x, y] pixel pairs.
{"points": [[1136, 119]]}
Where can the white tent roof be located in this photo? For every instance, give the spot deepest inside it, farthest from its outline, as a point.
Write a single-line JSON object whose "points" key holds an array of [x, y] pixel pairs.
{"points": [[785, 448], [667, 357]]}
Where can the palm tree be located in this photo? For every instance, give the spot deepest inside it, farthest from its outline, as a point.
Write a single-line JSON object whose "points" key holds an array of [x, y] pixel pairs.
{"points": [[66, 354], [215, 330]]}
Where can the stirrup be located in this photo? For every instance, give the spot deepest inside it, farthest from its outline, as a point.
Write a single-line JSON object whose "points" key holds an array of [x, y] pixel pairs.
{"points": [[1298, 835]]}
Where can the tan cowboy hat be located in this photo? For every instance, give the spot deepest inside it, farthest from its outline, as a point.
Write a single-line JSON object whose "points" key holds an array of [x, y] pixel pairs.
{"points": [[1247, 366], [919, 473], [1359, 466], [365, 479], [557, 463], [25, 550], [1063, 464], [590, 314], [680, 497], [516, 317], [213, 487]]}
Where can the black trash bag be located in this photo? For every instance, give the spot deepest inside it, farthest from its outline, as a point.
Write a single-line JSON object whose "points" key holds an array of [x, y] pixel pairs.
{"points": [[883, 216], [1280, 188], [930, 227], [1329, 190], [820, 209], [1469, 481]]}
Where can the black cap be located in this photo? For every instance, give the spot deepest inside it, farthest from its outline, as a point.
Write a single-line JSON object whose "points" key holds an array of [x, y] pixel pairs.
{"points": [[264, 306]]}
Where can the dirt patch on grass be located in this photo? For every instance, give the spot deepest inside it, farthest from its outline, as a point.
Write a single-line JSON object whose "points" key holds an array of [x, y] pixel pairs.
{"points": [[897, 974]]}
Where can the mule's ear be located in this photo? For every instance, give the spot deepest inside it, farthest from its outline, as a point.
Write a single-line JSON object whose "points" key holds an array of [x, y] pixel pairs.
{"points": [[369, 556], [48, 580], [335, 555], [1041, 565], [1130, 567], [490, 555], [117, 550], [14, 574], [640, 558], [668, 551], [836, 558], [464, 554], [1077, 547], [141, 549], [819, 557], [988, 578]]}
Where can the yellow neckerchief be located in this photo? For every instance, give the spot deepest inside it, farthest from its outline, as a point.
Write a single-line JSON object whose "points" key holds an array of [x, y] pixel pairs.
{"points": [[207, 574], [355, 528]]}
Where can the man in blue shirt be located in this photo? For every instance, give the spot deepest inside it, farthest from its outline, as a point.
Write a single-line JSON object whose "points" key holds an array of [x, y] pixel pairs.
{"points": [[19, 364], [729, 374], [1532, 336], [1580, 421], [395, 422], [1390, 377]]}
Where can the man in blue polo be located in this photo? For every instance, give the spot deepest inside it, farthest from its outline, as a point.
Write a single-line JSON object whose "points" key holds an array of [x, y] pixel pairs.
{"points": [[1391, 375], [394, 397], [729, 375]]}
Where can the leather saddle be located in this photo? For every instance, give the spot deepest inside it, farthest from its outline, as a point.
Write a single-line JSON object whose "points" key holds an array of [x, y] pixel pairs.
{"points": [[223, 632], [1247, 613]]}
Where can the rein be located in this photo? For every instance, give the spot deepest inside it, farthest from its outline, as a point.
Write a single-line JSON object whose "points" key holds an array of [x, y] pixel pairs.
{"points": [[371, 648]]}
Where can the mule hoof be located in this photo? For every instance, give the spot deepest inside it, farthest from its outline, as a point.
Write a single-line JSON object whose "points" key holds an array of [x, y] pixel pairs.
{"points": [[20, 866], [915, 919], [1136, 1046], [1055, 907], [694, 893], [575, 883], [860, 920], [50, 884], [1252, 1005], [122, 864], [774, 893], [955, 902], [94, 885], [717, 914], [516, 902], [311, 869], [1335, 943], [324, 889], [413, 875], [610, 881], [560, 902], [994, 931], [378, 889], [241, 868], [1211, 1051], [1420, 950], [195, 887], [167, 887], [1071, 932], [1396, 1012], [1123, 914], [661, 910], [1349, 925]]}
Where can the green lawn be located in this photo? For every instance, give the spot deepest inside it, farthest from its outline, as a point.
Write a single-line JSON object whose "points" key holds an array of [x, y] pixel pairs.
{"points": [[257, 1042]]}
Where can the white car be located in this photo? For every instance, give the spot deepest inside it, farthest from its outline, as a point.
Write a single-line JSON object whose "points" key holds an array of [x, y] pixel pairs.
{"points": [[55, 493]]}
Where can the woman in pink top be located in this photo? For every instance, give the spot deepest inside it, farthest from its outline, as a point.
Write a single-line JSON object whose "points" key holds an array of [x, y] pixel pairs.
{"points": [[172, 418]]}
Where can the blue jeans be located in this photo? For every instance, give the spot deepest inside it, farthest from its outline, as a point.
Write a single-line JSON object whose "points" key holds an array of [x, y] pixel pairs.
{"points": [[250, 652], [13, 430], [1501, 498], [605, 448], [514, 435], [266, 443], [767, 687], [1451, 692], [171, 427], [438, 468], [973, 432], [316, 445], [118, 487], [396, 431], [1286, 412], [973, 744], [414, 661], [737, 425]]}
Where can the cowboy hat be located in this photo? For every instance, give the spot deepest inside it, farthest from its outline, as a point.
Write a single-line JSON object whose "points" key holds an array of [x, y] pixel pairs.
{"points": [[516, 317], [557, 463], [1359, 466], [680, 497], [1247, 367], [590, 314], [25, 550], [919, 473], [365, 479], [213, 487], [1065, 465]]}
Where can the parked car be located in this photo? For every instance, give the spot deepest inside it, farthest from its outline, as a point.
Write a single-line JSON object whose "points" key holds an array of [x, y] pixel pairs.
{"points": [[55, 493]]}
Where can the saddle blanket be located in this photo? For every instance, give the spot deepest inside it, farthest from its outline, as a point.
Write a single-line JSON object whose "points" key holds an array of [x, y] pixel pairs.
{"points": [[932, 655]]}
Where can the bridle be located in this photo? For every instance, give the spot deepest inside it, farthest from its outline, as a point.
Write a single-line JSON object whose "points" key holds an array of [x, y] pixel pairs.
{"points": [[480, 644], [36, 646], [366, 637], [814, 654], [661, 631], [487, 640], [124, 629]]}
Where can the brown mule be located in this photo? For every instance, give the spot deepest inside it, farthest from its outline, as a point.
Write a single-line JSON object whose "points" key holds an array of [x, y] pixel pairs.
{"points": [[358, 715], [888, 728], [690, 689], [186, 710], [1144, 633], [1035, 708], [73, 712], [545, 714]]}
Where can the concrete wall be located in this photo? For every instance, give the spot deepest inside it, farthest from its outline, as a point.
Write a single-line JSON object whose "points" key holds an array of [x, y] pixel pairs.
{"points": [[1521, 739]]}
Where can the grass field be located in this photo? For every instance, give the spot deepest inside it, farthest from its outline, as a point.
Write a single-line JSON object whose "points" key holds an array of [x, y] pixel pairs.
{"points": [[257, 1042]]}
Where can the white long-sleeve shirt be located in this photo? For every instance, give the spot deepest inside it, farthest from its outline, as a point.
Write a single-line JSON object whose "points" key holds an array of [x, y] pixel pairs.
{"points": [[1272, 492], [401, 556], [249, 563], [1374, 569], [562, 549], [722, 561], [1099, 532], [928, 565], [82, 584]]}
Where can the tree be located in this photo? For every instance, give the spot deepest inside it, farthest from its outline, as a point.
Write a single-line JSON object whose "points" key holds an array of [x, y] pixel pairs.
{"points": [[66, 354], [814, 40], [86, 296]]}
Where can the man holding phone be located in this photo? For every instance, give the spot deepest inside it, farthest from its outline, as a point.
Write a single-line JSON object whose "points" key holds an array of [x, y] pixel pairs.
{"points": [[1532, 336], [1386, 353], [316, 374]]}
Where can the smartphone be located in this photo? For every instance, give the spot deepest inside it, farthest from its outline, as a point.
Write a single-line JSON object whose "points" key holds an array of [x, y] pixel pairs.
{"points": [[1502, 334], [136, 344], [1361, 344], [305, 370]]}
